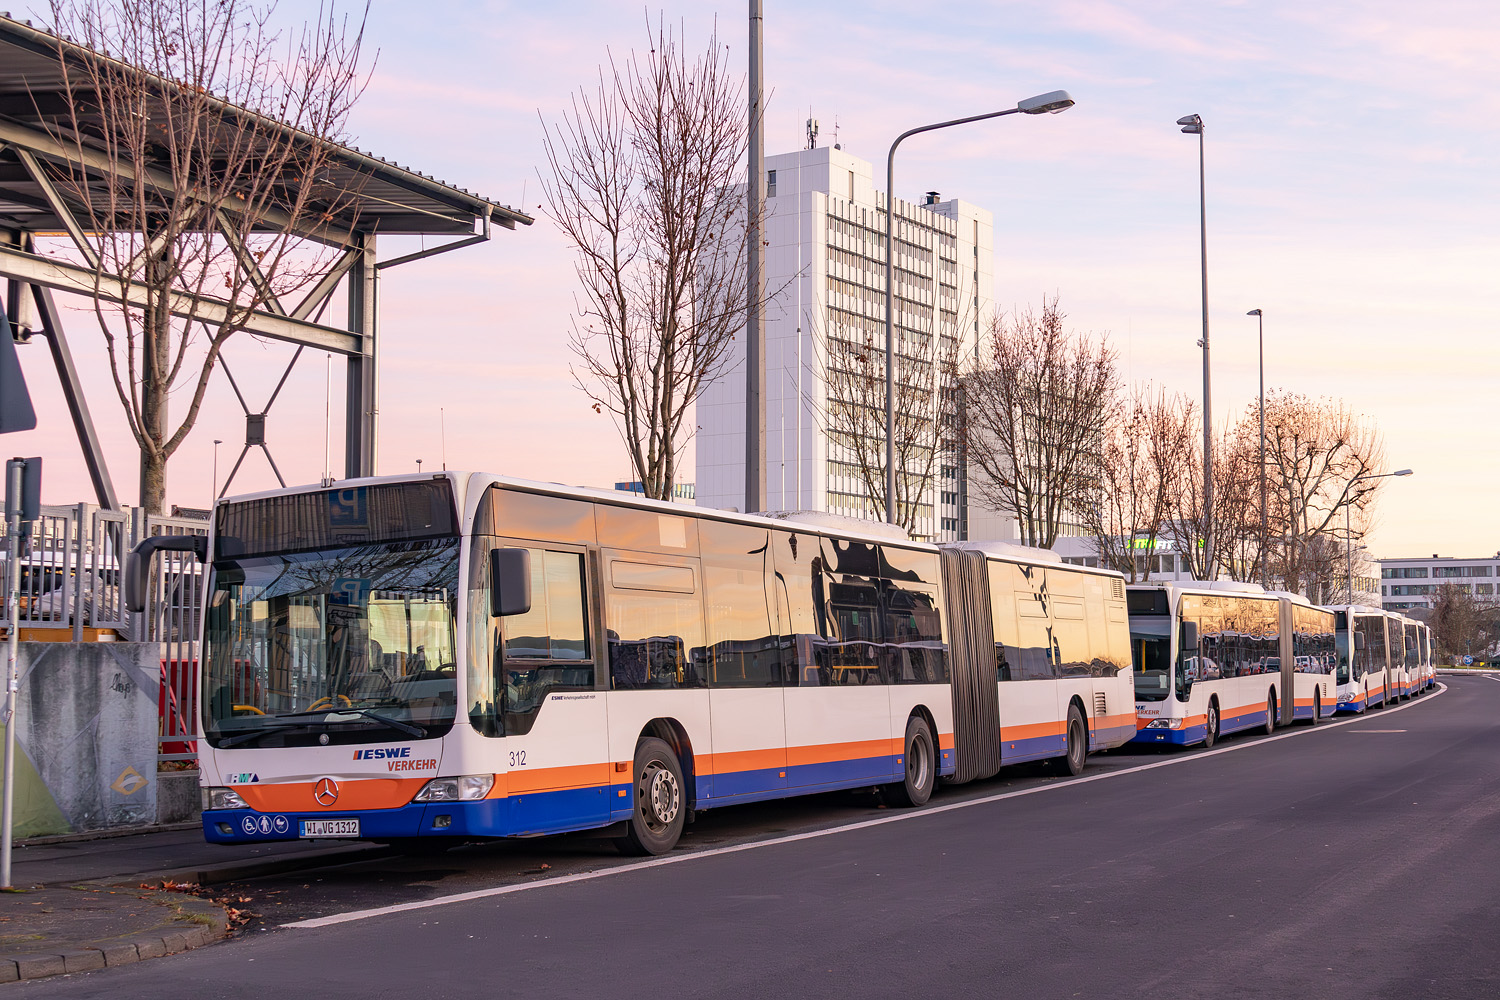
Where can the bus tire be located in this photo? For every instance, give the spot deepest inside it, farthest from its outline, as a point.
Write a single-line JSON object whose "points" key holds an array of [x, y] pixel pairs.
{"points": [[1270, 713], [1211, 724], [659, 811], [919, 762], [1071, 763], [1317, 707]]}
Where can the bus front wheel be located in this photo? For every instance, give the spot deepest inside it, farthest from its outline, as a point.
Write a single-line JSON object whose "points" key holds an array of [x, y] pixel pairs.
{"points": [[1211, 725], [920, 764], [1270, 713], [659, 811]]}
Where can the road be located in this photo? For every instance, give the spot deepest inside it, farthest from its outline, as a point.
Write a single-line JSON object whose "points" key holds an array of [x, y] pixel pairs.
{"points": [[1351, 860]]}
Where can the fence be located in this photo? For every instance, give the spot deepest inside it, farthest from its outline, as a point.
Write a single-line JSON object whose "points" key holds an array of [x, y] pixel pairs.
{"points": [[70, 575]]}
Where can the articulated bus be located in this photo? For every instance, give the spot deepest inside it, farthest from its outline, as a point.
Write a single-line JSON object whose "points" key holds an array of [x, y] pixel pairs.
{"points": [[1213, 659], [1414, 676], [1365, 677], [421, 660]]}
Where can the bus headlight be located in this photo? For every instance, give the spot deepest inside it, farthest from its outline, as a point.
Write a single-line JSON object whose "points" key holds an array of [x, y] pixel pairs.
{"points": [[222, 798], [1166, 723], [1345, 698], [461, 789]]}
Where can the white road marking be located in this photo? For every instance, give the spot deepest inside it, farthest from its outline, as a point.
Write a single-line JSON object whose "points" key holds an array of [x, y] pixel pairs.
{"points": [[901, 817], [1377, 730]]}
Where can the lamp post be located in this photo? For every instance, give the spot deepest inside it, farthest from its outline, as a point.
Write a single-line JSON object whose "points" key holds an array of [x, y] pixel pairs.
{"points": [[1261, 323], [1052, 103], [1193, 125], [1348, 533]]}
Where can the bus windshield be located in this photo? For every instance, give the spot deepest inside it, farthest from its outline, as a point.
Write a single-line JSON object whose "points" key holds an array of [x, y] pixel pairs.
{"points": [[1151, 653], [336, 645]]}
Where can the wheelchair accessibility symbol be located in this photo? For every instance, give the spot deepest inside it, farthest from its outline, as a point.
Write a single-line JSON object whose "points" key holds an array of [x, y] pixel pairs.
{"points": [[248, 825]]}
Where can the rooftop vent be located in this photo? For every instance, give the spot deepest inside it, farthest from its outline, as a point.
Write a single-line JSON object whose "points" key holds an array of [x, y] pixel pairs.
{"points": [[933, 197]]}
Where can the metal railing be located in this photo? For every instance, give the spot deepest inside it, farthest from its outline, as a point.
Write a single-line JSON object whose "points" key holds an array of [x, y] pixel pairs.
{"points": [[71, 568]]}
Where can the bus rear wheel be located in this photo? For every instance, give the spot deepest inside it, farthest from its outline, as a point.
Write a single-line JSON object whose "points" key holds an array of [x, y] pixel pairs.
{"points": [[920, 764], [656, 820], [1317, 707], [1270, 713], [1072, 762]]}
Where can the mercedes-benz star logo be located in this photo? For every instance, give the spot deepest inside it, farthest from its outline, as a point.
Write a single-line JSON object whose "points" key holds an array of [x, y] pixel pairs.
{"points": [[326, 792]]}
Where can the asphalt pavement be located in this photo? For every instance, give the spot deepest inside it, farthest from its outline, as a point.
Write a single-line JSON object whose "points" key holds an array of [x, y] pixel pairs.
{"points": [[1359, 859]]}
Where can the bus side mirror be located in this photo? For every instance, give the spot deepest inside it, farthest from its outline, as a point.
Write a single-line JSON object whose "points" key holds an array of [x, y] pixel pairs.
{"points": [[510, 582], [1359, 640], [138, 563], [1189, 635]]}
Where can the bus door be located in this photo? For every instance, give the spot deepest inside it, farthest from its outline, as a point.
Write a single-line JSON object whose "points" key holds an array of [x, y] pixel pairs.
{"points": [[744, 661]]}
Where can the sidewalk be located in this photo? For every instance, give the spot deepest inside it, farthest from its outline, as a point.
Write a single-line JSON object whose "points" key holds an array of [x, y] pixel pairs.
{"points": [[80, 904]]}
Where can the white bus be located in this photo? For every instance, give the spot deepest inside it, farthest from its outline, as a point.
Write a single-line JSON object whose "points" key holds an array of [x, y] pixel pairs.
{"points": [[1214, 659], [420, 660], [1364, 675]]}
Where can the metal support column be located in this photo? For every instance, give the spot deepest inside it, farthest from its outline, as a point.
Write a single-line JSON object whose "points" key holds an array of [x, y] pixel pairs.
{"points": [[362, 406], [755, 324], [78, 407]]}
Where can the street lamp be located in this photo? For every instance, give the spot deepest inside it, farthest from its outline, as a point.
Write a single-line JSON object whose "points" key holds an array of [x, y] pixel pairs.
{"points": [[1051, 103], [217, 442], [1348, 532], [1261, 323], [1193, 125]]}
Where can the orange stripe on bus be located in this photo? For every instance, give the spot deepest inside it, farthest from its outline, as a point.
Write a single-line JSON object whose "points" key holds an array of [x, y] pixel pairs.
{"points": [[827, 753], [549, 779], [354, 793]]}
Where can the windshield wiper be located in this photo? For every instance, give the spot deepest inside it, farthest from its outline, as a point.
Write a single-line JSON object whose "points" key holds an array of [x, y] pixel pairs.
{"points": [[253, 734], [397, 724], [389, 723]]}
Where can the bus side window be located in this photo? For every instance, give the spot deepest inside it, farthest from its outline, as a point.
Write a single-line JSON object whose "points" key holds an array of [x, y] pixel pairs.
{"points": [[547, 649], [1003, 613]]}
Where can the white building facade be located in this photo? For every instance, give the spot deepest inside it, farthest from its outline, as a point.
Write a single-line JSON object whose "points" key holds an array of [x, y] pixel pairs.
{"points": [[825, 274], [1413, 583]]}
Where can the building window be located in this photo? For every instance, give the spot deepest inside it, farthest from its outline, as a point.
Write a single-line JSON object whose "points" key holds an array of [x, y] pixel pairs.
{"points": [[770, 183]]}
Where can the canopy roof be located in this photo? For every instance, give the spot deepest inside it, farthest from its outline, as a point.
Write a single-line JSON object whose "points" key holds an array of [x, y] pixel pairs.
{"points": [[369, 194]]}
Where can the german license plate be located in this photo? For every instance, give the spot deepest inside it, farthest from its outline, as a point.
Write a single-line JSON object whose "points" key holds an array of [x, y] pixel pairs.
{"points": [[330, 828]]}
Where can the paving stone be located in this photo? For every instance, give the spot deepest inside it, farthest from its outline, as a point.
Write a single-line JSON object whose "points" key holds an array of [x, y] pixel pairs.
{"points": [[117, 954], [36, 966], [8, 971], [176, 941], [83, 960], [150, 947]]}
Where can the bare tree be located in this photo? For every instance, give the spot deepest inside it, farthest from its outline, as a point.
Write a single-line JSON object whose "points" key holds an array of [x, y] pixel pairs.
{"points": [[1315, 450], [205, 136], [1462, 625], [1147, 448], [927, 416], [1038, 401], [646, 185]]}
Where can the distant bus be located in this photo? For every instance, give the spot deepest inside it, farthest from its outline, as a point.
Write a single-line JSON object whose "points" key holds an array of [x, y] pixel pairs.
{"points": [[1216, 659], [1364, 674], [421, 660]]}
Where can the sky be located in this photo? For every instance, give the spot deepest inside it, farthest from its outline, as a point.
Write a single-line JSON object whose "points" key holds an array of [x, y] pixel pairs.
{"points": [[1350, 164]]}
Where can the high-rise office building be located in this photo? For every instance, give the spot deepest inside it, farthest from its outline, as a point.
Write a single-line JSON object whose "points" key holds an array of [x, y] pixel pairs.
{"points": [[825, 278]]}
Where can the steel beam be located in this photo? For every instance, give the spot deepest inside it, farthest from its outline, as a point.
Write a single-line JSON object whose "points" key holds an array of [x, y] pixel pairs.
{"points": [[42, 144], [59, 207], [78, 407], [66, 277], [361, 400]]}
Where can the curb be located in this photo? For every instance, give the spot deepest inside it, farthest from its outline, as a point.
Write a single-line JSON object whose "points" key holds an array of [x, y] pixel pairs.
{"points": [[129, 831], [206, 924], [235, 870]]}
